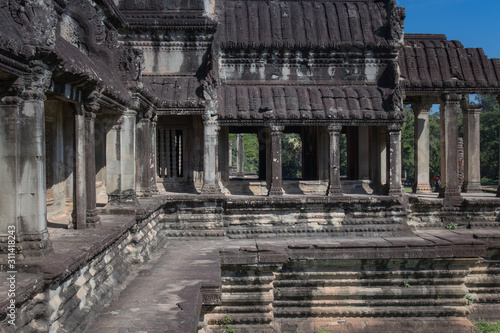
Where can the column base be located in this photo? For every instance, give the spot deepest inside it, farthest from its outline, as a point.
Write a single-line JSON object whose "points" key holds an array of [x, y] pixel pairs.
{"points": [[472, 187], [334, 191], [144, 193], [422, 188], [122, 198], [445, 192], [275, 191], [30, 245], [93, 218], [451, 197], [154, 190], [396, 192], [210, 189]]}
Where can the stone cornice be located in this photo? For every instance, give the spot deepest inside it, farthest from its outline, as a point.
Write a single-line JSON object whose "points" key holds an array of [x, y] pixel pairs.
{"points": [[178, 20]]}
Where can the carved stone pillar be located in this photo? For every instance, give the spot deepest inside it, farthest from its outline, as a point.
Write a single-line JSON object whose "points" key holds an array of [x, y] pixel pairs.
{"points": [[143, 155], [450, 183], [210, 155], [23, 198], [240, 152], [93, 218], [334, 187], [276, 181], [120, 160], [472, 142], [79, 215], [152, 171], [421, 152], [393, 174]]}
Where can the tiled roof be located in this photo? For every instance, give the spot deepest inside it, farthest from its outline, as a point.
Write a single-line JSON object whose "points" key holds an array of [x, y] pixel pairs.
{"points": [[432, 61], [323, 24], [72, 60], [299, 102]]}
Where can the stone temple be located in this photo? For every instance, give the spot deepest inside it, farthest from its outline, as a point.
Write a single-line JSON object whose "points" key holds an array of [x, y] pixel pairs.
{"points": [[121, 208]]}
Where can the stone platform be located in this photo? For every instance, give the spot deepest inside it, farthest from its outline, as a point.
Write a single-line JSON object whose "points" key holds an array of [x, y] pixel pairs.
{"points": [[176, 264]]}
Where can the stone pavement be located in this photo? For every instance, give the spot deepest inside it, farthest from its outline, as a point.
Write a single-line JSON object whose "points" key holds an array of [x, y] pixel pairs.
{"points": [[162, 295]]}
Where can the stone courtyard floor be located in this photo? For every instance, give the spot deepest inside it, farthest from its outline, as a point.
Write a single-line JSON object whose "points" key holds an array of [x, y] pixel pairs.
{"points": [[162, 294]]}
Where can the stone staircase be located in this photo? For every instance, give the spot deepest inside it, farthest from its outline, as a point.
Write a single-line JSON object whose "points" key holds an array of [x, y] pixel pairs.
{"points": [[404, 285]]}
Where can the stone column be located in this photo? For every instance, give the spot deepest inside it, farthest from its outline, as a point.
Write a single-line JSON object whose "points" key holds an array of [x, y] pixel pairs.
{"points": [[120, 160], [472, 141], [450, 185], [421, 152], [93, 218], [23, 199], [79, 215], [143, 155], [210, 155], [334, 188], [153, 168], [394, 160], [276, 185], [240, 152]]}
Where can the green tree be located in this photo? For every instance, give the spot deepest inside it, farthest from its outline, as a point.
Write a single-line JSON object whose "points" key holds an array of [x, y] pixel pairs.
{"points": [[407, 144], [489, 137], [291, 159], [250, 151], [434, 144]]}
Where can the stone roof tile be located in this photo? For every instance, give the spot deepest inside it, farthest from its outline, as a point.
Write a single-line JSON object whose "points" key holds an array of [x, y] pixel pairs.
{"points": [[299, 102], [295, 24], [432, 61]]}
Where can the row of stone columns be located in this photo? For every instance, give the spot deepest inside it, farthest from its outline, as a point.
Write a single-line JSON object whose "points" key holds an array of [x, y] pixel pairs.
{"points": [[449, 147], [274, 159]]}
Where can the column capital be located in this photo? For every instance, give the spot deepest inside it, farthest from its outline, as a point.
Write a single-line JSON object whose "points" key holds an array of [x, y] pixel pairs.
{"points": [[334, 128], [394, 127], [472, 108], [36, 82], [421, 108], [129, 113], [91, 102], [451, 99], [89, 115], [275, 129]]}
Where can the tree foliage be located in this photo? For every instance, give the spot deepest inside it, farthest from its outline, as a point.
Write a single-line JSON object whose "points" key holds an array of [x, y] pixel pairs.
{"points": [[250, 152], [291, 159], [408, 144], [489, 137], [489, 127]]}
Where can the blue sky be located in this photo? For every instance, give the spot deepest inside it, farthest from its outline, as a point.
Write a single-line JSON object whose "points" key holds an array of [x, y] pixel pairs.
{"points": [[475, 23]]}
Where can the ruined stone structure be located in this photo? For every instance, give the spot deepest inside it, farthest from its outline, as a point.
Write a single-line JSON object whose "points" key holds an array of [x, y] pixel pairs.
{"points": [[115, 119]]}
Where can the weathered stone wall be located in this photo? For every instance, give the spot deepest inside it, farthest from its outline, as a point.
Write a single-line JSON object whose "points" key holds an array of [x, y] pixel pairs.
{"points": [[69, 304], [267, 217], [472, 213], [341, 289]]}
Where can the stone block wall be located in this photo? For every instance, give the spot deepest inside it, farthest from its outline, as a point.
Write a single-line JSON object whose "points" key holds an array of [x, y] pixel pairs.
{"points": [[304, 288], [67, 305]]}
